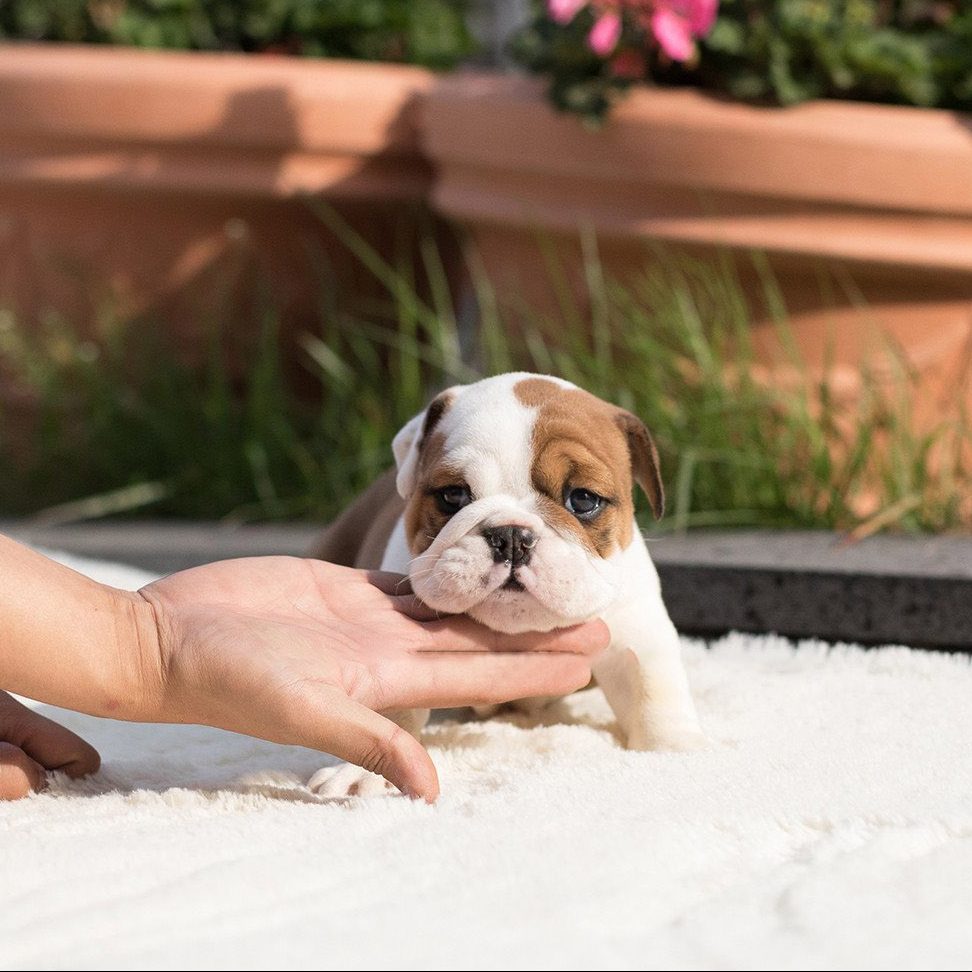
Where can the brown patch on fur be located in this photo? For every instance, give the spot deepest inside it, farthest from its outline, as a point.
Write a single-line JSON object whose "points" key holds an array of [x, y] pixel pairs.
{"points": [[359, 536], [423, 518], [644, 460], [582, 442]]}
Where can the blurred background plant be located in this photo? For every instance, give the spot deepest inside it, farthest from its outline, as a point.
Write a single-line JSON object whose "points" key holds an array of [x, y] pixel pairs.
{"points": [[121, 422], [591, 52], [916, 52], [121, 425], [428, 32]]}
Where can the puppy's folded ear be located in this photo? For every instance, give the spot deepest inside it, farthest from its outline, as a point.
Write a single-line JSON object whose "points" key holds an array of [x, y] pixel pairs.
{"points": [[644, 460], [407, 444]]}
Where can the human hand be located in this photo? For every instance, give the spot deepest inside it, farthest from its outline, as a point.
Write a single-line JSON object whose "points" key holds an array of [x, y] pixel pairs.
{"points": [[307, 653], [31, 744]]}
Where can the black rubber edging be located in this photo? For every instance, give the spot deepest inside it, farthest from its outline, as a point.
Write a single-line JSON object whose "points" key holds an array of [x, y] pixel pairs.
{"points": [[802, 584], [913, 591], [870, 610]]}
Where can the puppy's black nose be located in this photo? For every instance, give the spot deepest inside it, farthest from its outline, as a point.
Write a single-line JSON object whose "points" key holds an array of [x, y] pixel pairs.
{"points": [[511, 544]]}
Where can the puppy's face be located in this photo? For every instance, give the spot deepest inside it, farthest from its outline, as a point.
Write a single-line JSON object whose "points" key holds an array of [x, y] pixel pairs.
{"points": [[518, 500]]}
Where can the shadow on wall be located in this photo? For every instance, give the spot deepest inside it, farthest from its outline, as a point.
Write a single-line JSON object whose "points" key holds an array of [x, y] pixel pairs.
{"points": [[172, 188]]}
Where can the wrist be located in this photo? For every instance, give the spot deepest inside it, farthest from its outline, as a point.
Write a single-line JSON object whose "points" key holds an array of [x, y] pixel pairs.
{"points": [[136, 684], [69, 641]]}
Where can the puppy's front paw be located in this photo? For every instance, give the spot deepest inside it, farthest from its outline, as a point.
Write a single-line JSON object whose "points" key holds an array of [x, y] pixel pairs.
{"points": [[687, 738], [346, 780]]}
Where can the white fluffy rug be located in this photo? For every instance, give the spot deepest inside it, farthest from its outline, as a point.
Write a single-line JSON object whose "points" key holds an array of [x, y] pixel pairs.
{"points": [[828, 826]]}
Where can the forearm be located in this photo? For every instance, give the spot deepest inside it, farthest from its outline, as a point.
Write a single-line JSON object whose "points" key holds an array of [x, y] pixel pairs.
{"points": [[69, 641]]}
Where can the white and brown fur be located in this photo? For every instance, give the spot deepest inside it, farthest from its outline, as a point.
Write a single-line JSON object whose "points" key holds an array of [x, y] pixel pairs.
{"points": [[521, 443]]}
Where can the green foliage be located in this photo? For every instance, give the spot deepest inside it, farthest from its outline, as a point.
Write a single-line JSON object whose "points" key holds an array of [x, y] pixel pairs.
{"points": [[916, 52], [429, 32], [579, 81], [126, 423], [122, 425]]}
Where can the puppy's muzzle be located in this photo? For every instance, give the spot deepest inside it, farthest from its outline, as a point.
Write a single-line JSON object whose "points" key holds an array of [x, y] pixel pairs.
{"points": [[511, 545]]}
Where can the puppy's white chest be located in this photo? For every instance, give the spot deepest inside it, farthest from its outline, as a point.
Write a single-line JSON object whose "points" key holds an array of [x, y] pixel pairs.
{"points": [[397, 555]]}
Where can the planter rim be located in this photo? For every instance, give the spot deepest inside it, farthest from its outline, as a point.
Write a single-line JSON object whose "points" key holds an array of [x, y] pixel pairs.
{"points": [[80, 59], [130, 85], [217, 123], [819, 112], [836, 152]]}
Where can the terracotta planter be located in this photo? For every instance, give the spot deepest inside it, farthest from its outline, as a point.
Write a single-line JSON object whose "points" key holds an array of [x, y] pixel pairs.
{"points": [[171, 186], [882, 195]]}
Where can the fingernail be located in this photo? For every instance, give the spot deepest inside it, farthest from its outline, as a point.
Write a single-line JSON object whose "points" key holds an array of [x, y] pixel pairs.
{"points": [[414, 794]]}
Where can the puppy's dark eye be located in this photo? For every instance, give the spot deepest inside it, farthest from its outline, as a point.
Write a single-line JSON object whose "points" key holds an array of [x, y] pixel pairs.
{"points": [[584, 504], [451, 499]]}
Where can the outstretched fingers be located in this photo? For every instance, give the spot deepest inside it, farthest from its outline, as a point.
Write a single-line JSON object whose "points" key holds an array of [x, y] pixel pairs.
{"points": [[447, 679], [460, 634]]}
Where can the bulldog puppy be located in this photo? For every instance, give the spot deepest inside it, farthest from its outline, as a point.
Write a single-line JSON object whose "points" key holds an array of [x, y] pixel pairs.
{"points": [[512, 503]]}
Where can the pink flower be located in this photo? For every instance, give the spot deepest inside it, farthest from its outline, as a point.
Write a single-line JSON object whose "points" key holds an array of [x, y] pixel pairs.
{"points": [[676, 24], [563, 11], [605, 33]]}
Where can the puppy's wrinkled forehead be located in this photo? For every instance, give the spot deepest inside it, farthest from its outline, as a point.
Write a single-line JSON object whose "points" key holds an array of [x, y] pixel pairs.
{"points": [[487, 433]]}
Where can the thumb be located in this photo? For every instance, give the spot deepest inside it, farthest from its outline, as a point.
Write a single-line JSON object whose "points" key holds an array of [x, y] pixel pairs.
{"points": [[345, 728]]}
